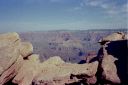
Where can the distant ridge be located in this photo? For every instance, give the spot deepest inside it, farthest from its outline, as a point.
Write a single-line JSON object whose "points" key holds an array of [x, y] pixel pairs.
{"points": [[68, 30]]}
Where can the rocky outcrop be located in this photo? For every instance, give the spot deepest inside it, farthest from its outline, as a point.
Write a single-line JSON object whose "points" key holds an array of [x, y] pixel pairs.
{"points": [[12, 71], [113, 59], [113, 37], [109, 70], [9, 45], [28, 71], [62, 72], [26, 49], [12, 52], [19, 65]]}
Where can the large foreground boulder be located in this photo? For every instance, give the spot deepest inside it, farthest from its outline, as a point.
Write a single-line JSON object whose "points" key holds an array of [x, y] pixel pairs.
{"points": [[9, 50], [12, 52], [12, 71], [28, 71]]}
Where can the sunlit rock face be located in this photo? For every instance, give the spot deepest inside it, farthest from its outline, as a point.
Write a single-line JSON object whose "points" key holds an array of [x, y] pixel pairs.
{"points": [[58, 72], [12, 52], [9, 46]]}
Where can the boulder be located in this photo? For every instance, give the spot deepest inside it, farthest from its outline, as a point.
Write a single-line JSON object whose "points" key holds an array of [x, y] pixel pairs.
{"points": [[12, 71], [8, 39], [28, 71], [26, 49], [9, 50], [12, 52]]}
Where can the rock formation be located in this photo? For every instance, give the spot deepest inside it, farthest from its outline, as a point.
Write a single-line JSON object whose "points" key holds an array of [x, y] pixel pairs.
{"points": [[9, 45], [12, 51], [112, 57], [12, 71], [109, 70], [113, 37], [26, 49], [60, 71], [19, 65], [28, 71]]}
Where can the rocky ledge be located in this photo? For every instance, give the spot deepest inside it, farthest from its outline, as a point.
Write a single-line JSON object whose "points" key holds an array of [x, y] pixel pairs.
{"points": [[18, 64]]}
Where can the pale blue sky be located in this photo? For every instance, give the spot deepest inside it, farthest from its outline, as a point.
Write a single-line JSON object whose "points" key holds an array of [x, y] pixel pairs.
{"points": [[35, 15]]}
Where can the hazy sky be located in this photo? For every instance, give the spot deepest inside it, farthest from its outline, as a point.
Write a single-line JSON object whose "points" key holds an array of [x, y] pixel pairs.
{"points": [[34, 15]]}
